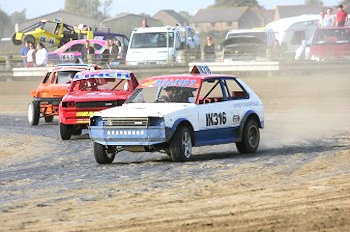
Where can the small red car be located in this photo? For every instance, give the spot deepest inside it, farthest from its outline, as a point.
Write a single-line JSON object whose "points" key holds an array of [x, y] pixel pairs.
{"points": [[92, 91], [50, 91]]}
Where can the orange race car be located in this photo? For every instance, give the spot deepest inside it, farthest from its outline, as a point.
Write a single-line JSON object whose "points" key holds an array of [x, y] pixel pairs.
{"points": [[51, 89]]}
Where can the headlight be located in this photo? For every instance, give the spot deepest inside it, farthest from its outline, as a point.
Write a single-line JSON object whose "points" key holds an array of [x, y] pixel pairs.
{"points": [[156, 122], [95, 121]]}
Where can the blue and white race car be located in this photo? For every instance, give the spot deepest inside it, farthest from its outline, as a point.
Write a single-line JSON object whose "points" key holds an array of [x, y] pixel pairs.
{"points": [[173, 113]]}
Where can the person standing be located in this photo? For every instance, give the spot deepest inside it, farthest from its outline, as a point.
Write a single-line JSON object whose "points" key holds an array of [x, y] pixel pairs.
{"points": [[209, 50], [321, 20], [87, 53], [31, 55], [329, 19], [342, 17], [41, 55], [144, 23], [24, 52]]}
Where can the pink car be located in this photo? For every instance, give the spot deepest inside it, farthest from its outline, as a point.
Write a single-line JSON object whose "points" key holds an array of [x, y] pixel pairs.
{"points": [[71, 51]]}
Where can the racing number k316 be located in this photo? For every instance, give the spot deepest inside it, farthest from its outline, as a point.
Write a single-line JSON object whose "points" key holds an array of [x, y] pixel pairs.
{"points": [[214, 119]]}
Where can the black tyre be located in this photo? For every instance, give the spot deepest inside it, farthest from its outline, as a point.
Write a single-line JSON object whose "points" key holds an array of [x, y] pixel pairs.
{"points": [[77, 131], [49, 118], [29, 39], [65, 131], [33, 113], [250, 138], [102, 155], [14, 41], [181, 145]]}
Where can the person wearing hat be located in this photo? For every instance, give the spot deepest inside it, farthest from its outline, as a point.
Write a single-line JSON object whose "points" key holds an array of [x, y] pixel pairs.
{"points": [[342, 17], [170, 92]]}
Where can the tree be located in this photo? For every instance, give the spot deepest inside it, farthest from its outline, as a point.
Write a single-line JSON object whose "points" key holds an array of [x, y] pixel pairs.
{"points": [[18, 17], [6, 26], [345, 2], [88, 8], [236, 3]]}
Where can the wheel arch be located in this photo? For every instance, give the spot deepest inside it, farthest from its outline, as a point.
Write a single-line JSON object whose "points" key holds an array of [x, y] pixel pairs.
{"points": [[249, 115], [182, 122]]}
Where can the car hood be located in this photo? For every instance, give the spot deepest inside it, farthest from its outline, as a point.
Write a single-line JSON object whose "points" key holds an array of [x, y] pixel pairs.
{"points": [[96, 96], [146, 110]]}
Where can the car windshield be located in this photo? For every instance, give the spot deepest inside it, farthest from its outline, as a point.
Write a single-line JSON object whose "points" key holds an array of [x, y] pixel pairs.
{"points": [[152, 40], [162, 94], [332, 35], [97, 84]]}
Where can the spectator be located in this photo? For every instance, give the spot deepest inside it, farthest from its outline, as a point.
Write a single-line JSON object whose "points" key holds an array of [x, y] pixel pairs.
{"points": [[329, 19], [41, 55], [113, 49], [321, 20], [342, 17], [209, 50], [31, 55], [144, 23], [121, 53], [105, 56], [24, 52], [87, 53]]}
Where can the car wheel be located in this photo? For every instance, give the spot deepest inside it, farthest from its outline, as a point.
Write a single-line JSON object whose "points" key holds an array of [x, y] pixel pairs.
{"points": [[29, 39], [14, 41], [181, 145], [65, 131], [250, 138], [33, 113], [49, 118], [77, 131], [102, 155]]}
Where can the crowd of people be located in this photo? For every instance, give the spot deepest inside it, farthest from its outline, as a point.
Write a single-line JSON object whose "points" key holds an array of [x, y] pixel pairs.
{"points": [[328, 19], [34, 55]]}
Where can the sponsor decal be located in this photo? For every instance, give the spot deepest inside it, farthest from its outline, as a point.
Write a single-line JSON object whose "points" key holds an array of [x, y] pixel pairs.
{"points": [[236, 118], [176, 82], [245, 104], [213, 119]]}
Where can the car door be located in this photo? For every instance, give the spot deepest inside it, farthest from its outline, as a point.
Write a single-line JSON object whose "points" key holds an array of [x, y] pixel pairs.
{"points": [[215, 114]]}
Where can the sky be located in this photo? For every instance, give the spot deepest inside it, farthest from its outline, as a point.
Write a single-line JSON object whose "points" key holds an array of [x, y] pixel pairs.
{"points": [[36, 8]]}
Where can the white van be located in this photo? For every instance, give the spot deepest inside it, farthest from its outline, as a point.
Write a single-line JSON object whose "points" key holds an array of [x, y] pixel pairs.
{"points": [[154, 45], [291, 31]]}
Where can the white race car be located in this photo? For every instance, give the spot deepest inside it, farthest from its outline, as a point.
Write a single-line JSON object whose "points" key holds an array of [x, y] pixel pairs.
{"points": [[174, 113]]}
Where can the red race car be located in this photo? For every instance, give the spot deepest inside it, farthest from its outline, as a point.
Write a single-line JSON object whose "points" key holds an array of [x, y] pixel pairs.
{"points": [[92, 91]]}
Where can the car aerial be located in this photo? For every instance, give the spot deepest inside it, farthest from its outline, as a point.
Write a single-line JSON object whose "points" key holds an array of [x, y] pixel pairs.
{"points": [[71, 51], [91, 91], [173, 113], [331, 43], [52, 33], [50, 91]]}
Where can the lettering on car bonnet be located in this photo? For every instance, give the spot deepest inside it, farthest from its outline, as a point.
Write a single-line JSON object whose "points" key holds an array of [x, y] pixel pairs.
{"points": [[175, 82]]}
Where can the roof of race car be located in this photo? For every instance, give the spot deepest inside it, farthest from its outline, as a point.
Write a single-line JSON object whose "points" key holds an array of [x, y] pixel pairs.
{"points": [[86, 74], [72, 66]]}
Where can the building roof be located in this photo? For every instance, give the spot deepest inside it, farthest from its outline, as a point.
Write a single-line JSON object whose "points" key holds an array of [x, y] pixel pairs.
{"points": [[171, 13], [294, 10], [222, 14]]}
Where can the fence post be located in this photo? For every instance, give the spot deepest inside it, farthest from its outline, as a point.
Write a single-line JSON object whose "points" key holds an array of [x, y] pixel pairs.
{"points": [[8, 59]]}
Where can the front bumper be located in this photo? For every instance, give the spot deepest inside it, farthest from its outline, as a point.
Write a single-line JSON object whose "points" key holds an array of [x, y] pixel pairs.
{"points": [[128, 137]]}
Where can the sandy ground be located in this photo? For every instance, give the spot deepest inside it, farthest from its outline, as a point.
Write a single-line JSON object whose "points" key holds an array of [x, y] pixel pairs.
{"points": [[297, 181]]}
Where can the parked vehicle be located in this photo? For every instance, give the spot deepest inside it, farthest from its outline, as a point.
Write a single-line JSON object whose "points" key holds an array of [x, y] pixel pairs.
{"points": [[331, 43], [52, 33], [291, 31], [50, 91], [247, 44], [91, 91], [154, 45], [172, 113], [71, 51], [190, 41]]}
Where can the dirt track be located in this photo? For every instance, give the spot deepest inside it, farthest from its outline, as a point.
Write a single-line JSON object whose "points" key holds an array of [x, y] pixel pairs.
{"points": [[297, 181]]}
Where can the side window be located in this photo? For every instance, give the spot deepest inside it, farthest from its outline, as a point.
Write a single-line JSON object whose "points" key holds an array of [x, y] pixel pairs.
{"points": [[211, 91], [75, 48], [298, 37], [234, 90]]}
